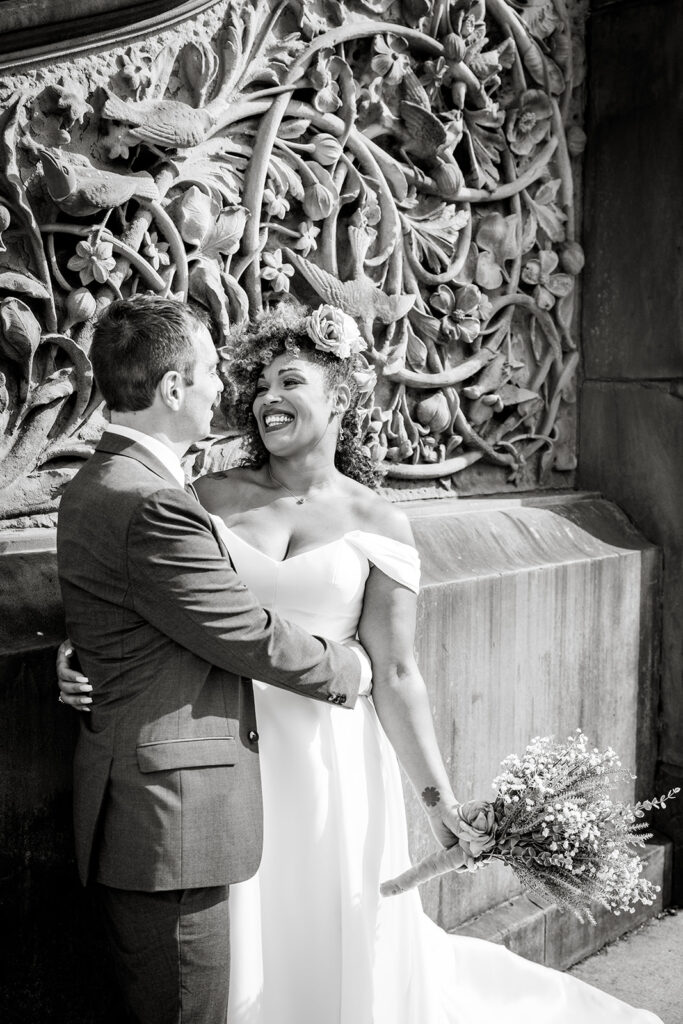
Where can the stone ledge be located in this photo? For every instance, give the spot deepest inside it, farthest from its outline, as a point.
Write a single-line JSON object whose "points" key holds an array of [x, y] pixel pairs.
{"points": [[539, 931]]}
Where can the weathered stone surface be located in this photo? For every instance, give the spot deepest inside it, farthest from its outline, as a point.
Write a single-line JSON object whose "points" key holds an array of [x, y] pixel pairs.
{"points": [[633, 292], [631, 418], [631, 444], [32, 616], [533, 620]]}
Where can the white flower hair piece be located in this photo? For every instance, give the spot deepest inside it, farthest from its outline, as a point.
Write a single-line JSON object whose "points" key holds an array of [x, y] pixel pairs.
{"points": [[331, 330]]}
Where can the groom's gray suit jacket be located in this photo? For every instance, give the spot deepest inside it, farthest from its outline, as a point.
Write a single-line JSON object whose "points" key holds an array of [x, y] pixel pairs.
{"points": [[166, 778]]}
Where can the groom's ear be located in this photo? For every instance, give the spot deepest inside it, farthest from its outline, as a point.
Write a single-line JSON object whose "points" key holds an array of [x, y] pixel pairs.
{"points": [[170, 390]]}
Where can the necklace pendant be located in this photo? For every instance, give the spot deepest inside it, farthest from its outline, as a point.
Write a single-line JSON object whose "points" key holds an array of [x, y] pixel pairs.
{"points": [[300, 501]]}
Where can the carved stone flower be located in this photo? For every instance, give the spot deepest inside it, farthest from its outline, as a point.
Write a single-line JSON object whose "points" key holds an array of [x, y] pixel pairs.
{"points": [[365, 377], [462, 311], [275, 203], [94, 261], [326, 98], [156, 252], [306, 242], [72, 99], [530, 122], [117, 142], [549, 285], [391, 61], [275, 271], [433, 73], [137, 74]]}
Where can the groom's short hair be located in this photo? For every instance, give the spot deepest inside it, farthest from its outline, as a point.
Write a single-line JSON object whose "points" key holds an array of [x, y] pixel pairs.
{"points": [[135, 343]]}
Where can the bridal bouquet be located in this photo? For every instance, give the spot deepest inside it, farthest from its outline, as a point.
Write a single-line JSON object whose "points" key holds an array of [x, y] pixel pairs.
{"points": [[553, 821]]}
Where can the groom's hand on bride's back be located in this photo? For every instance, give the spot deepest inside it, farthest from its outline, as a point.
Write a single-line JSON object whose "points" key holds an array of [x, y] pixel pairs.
{"points": [[74, 688]]}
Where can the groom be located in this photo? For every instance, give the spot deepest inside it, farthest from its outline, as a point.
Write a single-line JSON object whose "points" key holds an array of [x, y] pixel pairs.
{"points": [[167, 800]]}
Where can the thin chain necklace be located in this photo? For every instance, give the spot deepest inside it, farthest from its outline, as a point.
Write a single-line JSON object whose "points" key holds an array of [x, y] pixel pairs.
{"points": [[299, 499]]}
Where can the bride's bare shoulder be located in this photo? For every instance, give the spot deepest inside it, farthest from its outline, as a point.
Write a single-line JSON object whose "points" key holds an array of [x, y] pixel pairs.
{"points": [[379, 515], [229, 489]]}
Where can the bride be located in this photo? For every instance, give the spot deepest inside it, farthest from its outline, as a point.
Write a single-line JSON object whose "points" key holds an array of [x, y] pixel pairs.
{"points": [[312, 941]]}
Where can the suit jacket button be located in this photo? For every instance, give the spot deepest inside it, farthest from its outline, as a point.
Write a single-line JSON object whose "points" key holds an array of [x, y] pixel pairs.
{"points": [[332, 698], [342, 698], [253, 736]]}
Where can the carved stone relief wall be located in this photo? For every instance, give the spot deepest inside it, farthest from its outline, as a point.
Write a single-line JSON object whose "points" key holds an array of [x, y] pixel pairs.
{"points": [[414, 162]]}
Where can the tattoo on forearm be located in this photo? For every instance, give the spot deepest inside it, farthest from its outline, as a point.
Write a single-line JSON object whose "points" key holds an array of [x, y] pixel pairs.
{"points": [[431, 796]]}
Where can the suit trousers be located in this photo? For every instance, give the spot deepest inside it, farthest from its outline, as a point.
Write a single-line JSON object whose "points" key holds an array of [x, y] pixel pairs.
{"points": [[170, 951]]}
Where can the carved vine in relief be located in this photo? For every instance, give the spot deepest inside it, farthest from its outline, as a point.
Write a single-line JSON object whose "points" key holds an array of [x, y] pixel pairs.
{"points": [[410, 162]]}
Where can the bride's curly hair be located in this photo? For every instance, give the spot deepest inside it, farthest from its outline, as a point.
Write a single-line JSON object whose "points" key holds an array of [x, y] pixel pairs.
{"points": [[255, 345]]}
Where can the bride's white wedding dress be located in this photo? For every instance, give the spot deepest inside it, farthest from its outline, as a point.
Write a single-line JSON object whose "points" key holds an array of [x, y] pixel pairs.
{"points": [[312, 941]]}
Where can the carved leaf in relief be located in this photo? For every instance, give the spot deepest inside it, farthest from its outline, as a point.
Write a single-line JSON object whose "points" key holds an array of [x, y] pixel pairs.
{"points": [[58, 385], [546, 212], [206, 287], [13, 191], [200, 65], [540, 16], [225, 235], [485, 144], [20, 336], [286, 177], [434, 229], [498, 238], [13, 278]]}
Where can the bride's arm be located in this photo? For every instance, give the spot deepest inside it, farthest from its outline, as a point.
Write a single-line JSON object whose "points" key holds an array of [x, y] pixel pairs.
{"points": [[387, 632]]}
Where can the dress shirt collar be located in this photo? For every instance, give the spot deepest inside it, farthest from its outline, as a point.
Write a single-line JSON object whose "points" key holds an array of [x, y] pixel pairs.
{"points": [[158, 449]]}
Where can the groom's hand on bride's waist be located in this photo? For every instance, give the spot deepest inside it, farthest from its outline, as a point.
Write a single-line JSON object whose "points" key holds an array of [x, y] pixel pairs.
{"points": [[365, 687]]}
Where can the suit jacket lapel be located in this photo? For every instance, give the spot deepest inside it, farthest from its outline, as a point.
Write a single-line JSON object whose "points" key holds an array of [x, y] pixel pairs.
{"points": [[117, 444]]}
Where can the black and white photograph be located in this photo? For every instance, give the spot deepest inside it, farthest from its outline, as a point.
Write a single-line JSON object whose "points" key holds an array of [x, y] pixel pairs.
{"points": [[341, 657]]}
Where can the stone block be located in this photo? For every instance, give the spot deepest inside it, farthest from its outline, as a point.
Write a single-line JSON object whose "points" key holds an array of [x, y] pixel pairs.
{"points": [[519, 924], [32, 615], [532, 620]]}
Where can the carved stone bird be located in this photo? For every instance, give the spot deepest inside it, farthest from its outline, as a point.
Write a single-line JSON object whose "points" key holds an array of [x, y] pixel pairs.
{"points": [[168, 124], [424, 135], [80, 189], [359, 296]]}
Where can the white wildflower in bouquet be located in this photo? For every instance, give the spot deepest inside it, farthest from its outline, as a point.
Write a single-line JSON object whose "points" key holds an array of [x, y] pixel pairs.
{"points": [[553, 822]]}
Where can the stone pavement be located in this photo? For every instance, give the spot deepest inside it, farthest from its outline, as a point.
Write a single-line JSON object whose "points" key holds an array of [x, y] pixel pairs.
{"points": [[645, 967]]}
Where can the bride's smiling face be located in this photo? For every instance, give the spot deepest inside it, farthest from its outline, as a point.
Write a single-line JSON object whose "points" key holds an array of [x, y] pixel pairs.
{"points": [[294, 407]]}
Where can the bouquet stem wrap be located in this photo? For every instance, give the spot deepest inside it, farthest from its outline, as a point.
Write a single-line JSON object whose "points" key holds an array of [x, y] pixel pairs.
{"points": [[553, 822]]}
